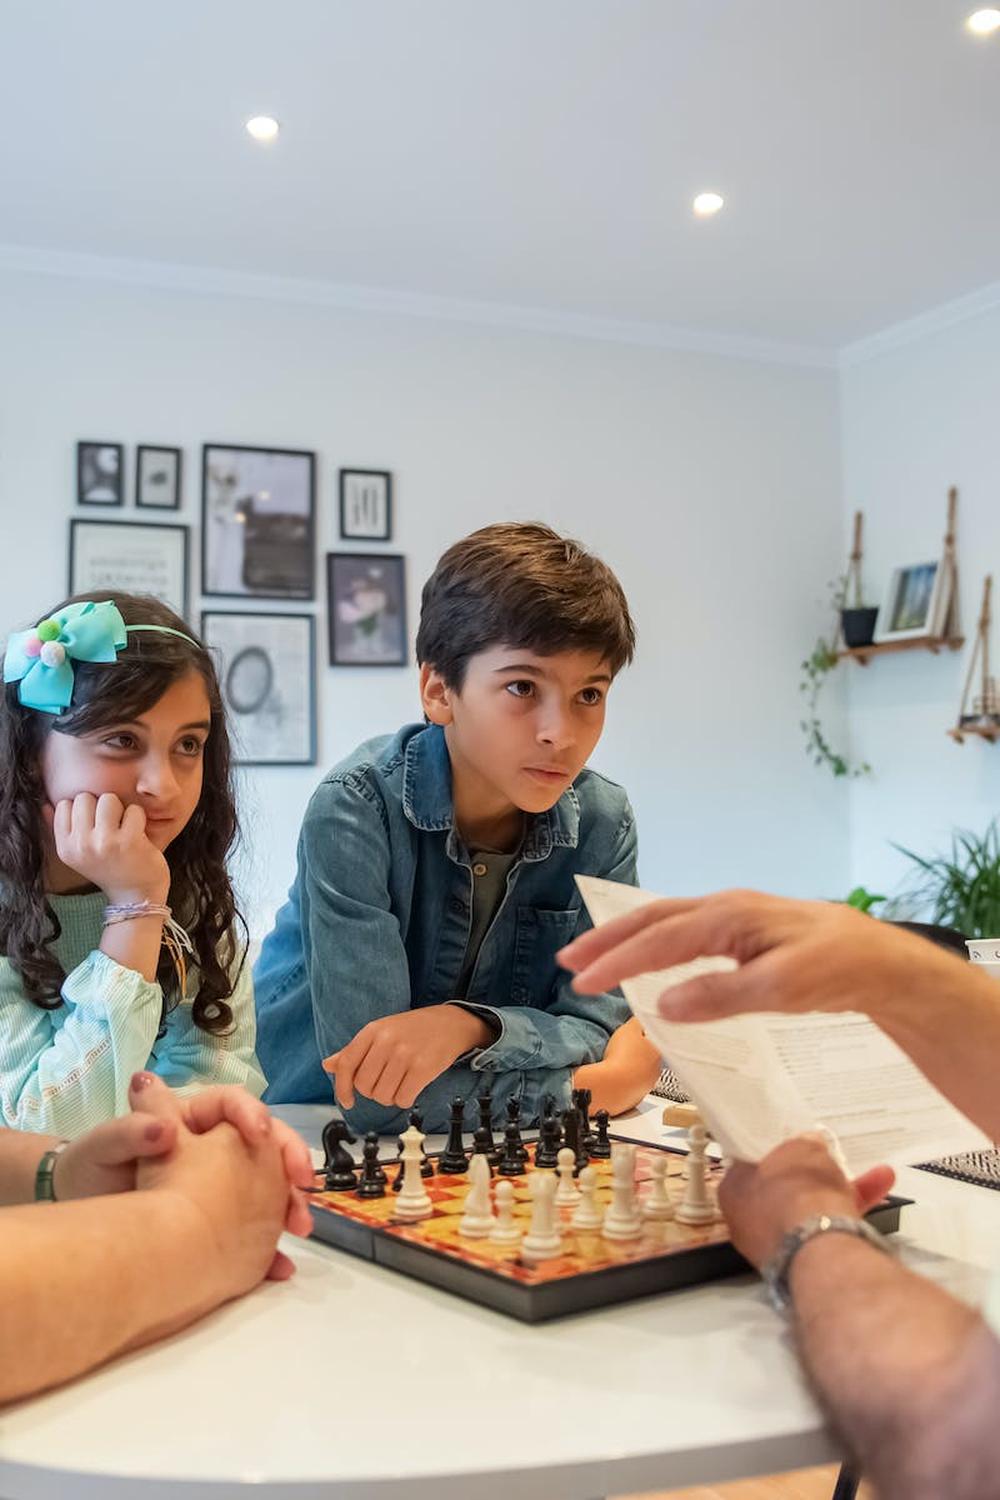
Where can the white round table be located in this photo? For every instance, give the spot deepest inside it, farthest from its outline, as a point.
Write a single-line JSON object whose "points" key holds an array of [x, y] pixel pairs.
{"points": [[352, 1382]]}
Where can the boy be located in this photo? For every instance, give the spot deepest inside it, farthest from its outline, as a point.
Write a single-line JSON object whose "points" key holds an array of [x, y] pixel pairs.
{"points": [[415, 958]]}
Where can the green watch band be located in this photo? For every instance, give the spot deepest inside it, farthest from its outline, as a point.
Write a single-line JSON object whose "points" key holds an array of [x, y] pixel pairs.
{"points": [[44, 1191]]}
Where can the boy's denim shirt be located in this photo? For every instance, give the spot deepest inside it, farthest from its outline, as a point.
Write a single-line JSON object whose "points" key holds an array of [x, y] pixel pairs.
{"points": [[378, 920]]}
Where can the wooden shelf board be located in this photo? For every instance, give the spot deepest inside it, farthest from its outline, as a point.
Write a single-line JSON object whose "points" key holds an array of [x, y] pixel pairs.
{"points": [[930, 643], [985, 732]]}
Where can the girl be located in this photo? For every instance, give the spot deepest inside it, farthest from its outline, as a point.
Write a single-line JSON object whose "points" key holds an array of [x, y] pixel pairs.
{"points": [[116, 818]]}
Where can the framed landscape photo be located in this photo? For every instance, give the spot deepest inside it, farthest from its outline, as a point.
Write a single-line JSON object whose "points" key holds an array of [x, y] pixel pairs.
{"points": [[916, 603], [130, 556], [100, 474], [258, 517], [267, 670], [158, 478], [367, 609], [365, 505]]}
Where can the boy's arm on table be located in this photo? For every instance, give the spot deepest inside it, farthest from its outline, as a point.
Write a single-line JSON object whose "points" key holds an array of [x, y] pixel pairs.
{"points": [[188, 1058], [66, 1080], [909, 1376]]}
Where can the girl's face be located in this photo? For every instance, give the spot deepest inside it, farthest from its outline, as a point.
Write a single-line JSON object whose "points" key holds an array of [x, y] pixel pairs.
{"points": [[154, 762]]}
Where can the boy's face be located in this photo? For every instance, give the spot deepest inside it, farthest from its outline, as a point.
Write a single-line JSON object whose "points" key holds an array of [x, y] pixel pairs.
{"points": [[155, 761], [522, 726]]}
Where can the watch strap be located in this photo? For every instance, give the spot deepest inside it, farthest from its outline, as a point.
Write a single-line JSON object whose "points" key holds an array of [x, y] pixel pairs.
{"points": [[45, 1172], [777, 1270]]}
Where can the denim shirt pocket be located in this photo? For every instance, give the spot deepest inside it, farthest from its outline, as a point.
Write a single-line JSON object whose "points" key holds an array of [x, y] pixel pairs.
{"points": [[539, 935]]}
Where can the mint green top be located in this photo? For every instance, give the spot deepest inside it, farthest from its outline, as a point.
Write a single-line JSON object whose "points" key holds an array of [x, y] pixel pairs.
{"points": [[65, 1070]]}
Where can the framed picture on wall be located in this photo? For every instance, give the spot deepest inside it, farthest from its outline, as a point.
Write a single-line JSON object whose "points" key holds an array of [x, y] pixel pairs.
{"points": [[365, 505], [100, 474], [916, 602], [258, 522], [132, 557], [367, 609], [158, 478], [267, 670]]}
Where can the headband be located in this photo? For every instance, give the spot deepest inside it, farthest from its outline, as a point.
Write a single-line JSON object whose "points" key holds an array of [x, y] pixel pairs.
{"points": [[41, 660]]}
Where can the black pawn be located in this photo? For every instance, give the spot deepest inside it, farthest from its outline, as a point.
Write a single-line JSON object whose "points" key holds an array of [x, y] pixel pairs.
{"points": [[372, 1184], [601, 1149], [426, 1165], [338, 1166], [483, 1146], [452, 1159], [485, 1103], [573, 1139], [514, 1118], [511, 1164], [549, 1142]]}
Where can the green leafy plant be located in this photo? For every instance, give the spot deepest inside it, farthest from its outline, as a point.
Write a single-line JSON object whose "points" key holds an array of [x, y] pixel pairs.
{"points": [[960, 889], [863, 900], [817, 666]]}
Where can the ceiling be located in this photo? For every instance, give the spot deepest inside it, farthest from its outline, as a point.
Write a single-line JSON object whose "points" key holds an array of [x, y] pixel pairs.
{"points": [[535, 153]]}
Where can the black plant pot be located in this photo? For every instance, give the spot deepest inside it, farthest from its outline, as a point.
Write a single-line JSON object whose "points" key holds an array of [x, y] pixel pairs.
{"points": [[859, 625]]}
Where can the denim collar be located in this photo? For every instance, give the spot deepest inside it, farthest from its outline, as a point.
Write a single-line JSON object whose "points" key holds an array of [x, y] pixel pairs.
{"points": [[427, 800]]}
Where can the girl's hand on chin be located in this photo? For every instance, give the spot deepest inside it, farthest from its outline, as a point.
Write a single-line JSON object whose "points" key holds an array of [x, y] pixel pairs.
{"points": [[106, 843]]}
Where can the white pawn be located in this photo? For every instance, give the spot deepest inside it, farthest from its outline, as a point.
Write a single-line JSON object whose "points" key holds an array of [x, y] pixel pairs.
{"points": [[542, 1239], [505, 1231], [696, 1207], [566, 1193], [622, 1220], [477, 1220], [658, 1204], [588, 1214], [412, 1201]]}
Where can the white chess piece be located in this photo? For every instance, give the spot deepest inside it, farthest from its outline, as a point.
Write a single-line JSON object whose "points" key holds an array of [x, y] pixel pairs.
{"points": [[696, 1207], [588, 1213], [477, 1220], [542, 1239], [567, 1192], [412, 1201], [658, 1204], [622, 1220], [505, 1231]]}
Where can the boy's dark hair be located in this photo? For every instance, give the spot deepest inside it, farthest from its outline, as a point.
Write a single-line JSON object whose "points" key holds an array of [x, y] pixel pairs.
{"points": [[521, 584], [201, 895]]}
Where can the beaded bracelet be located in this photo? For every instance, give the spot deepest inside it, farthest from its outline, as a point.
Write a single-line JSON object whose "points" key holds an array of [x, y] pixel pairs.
{"points": [[176, 941]]}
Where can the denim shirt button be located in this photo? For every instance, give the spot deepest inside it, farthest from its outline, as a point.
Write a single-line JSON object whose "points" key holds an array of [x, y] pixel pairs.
{"points": [[479, 869]]}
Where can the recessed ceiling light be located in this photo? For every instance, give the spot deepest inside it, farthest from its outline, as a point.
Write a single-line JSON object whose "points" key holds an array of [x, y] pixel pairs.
{"points": [[984, 22], [263, 127], [707, 204]]}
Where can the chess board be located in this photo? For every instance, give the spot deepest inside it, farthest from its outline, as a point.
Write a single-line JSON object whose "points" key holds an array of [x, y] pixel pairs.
{"points": [[589, 1271]]}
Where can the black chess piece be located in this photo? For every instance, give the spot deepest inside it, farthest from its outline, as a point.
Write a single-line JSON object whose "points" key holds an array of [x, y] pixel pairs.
{"points": [[514, 1118], [582, 1098], [453, 1159], [549, 1142], [426, 1165], [483, 1146], [511, 1164], [397, 1181], [338, 1164], [601, 1149], [573, 1138], [485, 1103], [373, 1179]]}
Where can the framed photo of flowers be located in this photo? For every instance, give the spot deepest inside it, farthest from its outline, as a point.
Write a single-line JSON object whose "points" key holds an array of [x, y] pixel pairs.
{"points": [[367, 609]]}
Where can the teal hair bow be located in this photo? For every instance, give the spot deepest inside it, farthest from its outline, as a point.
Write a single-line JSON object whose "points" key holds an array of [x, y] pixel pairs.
{"points": [[41, 660]]}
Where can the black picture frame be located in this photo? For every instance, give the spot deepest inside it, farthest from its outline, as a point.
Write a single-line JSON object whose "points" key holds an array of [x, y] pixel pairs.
{"points": [[375, 497], [145, 482], [251, 554], [92, 475], [93, 575], [383, 641], [254, 704]]}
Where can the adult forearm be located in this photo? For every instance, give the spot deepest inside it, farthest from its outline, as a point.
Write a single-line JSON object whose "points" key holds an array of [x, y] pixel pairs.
{"points": [[81, 1282], [909, 1376], [20, 1153]]}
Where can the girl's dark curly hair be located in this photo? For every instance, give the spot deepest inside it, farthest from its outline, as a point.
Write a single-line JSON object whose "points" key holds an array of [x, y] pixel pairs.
{"points": [[201, 895]]}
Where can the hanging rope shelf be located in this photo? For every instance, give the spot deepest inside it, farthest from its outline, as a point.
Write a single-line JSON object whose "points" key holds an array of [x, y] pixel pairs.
{"points": [[984, 718]]}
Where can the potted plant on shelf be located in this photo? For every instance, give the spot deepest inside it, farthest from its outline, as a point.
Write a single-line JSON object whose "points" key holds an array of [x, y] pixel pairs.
{"points": [[857, 620]]}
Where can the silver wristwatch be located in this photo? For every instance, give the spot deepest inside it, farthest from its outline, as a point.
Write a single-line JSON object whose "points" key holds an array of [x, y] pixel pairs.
{"points": [[776, 1271]]}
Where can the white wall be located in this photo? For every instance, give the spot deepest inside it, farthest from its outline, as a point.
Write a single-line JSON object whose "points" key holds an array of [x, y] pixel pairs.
{"points": [[916, 420], [712, 485]]}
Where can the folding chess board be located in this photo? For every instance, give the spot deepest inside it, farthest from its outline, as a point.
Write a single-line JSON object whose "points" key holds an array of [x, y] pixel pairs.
{"points": [[589, 1270]]}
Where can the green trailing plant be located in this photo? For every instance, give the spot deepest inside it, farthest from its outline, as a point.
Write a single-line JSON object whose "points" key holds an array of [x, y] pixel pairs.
{"points": [[863, 900], [816, 668], [960, 889]]}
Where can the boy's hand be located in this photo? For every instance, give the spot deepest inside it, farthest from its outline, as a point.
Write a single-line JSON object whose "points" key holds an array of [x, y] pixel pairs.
{"points": [[105, 842], [392, 1059]]}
